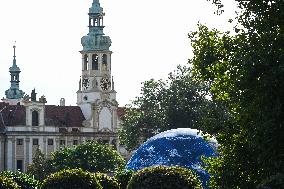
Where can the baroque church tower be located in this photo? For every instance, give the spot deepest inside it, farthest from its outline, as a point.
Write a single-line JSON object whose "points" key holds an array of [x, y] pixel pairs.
{"points": [[14, 95], [96, 95]]}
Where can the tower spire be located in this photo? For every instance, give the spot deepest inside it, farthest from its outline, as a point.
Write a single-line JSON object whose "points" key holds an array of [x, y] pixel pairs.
{"points": [[14, 60], [96, 39], [96, 2], [14, 92], [14, 49]]}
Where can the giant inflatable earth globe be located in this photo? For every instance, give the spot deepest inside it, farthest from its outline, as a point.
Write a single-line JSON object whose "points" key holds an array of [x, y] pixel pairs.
{"points": [[182, 147]]}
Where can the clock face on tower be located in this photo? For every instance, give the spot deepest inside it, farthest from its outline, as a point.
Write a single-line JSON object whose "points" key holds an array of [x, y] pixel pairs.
{"points": [[85, 83], [105, 83]]}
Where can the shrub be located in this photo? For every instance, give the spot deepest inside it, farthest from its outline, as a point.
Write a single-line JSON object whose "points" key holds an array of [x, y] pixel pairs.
{"points": [[164, 178], [107, 182], [123, 177], [7, 183], [25, 181], [90, 156], [71, 178]]}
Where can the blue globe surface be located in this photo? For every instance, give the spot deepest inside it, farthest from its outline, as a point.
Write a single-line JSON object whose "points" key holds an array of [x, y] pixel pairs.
{"points": [[177, 147]]}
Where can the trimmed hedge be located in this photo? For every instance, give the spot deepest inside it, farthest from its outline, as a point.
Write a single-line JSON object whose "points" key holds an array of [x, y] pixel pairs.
{"points": [[25, 181], [8, 183], [107, 182], [161, 177], [71, 178], [123, 177]]}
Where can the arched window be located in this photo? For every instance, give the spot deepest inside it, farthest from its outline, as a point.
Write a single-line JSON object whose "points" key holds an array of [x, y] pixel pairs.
{"points": [[104, 60], [95, 62], [86, 62], [35, 118]]}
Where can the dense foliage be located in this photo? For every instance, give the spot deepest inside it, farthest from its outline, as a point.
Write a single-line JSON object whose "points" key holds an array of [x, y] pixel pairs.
{"points": [[8, 183], [164, 178], [25, 181], [71, 178], [245, 73], [123, 177], [234, 90], [177, 102], [107, 182], [41, 167], [89, 156]]}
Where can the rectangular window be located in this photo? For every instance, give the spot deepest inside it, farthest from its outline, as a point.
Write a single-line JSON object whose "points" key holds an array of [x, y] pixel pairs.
{"points": [[75, 130], [20, 141], [62, 142], [63, 130], [75, 142], [20, 165], [50, 141], [35, 141]]}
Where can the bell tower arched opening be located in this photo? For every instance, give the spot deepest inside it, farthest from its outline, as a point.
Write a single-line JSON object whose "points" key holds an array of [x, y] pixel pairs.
{"points": [[104, 62], [95, 62], [86, 60]]}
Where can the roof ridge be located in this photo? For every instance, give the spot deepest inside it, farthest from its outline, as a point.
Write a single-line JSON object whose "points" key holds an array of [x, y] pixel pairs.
{"points": [[3, 108]]}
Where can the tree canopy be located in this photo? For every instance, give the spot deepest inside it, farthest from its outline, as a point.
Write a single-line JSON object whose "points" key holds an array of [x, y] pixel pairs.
{"points": [[232, 88], [40, 168], [178, 102], [244, 71], [90, 156]]}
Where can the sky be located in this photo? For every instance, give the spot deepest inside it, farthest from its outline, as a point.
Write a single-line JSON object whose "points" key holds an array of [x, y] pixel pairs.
{"points": [[149, 40]]}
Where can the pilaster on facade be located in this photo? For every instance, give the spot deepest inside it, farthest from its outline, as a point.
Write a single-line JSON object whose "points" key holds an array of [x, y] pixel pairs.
{"points": [[27, 153], [44, 146], [2, 152], [13, 146]]}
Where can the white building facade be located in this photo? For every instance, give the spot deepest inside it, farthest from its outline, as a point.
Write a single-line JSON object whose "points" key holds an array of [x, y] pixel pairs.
{"points": [[27, 123]]}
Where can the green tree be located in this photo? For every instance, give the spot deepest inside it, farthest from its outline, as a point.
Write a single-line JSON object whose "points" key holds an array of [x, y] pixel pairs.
{"points": [[178, 102], [89, 156], [25, 181], [245, 74], [40, 167]]}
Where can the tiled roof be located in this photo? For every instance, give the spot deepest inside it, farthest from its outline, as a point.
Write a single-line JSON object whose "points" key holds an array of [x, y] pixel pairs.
{"points": [[70, 116], [12, 115]]}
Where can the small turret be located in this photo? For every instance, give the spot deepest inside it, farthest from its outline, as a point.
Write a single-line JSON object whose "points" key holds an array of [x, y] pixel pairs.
{"points": [[14, 91]]}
